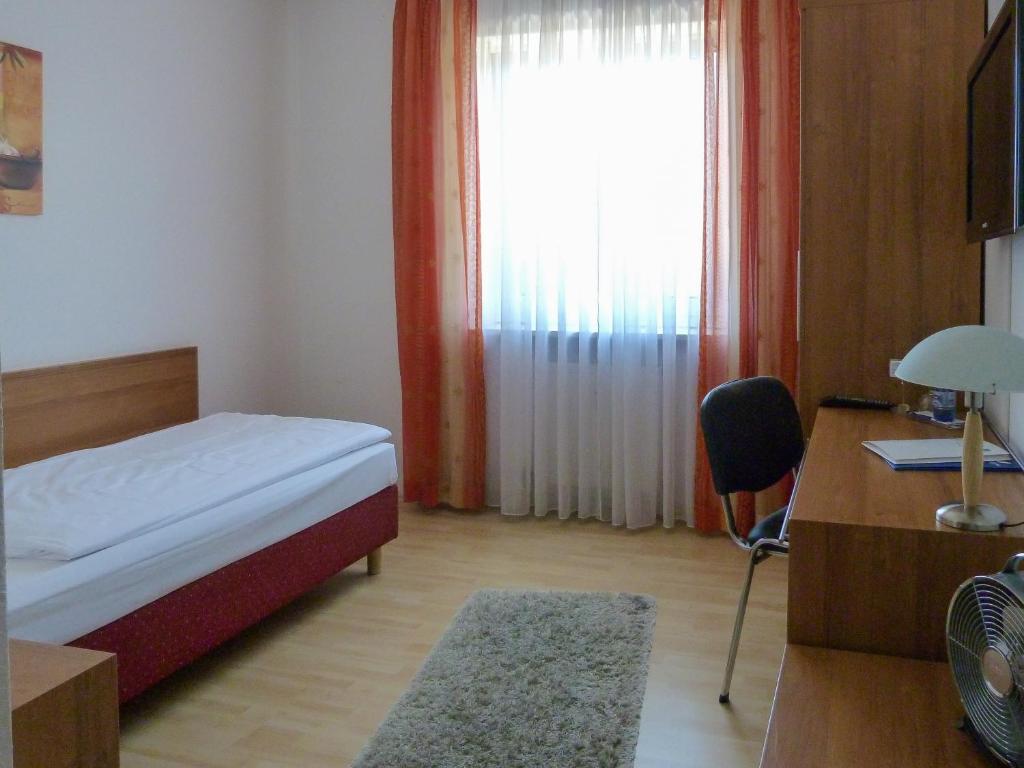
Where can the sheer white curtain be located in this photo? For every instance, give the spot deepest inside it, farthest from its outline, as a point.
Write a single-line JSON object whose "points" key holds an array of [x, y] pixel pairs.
{"points": [[591, 152]]}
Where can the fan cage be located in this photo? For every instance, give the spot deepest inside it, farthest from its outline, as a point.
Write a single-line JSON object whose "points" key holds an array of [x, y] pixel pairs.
{"points": [[987, 612]]}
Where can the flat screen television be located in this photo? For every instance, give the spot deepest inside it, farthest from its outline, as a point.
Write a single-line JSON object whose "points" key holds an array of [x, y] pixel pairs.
{"points": [[994, 179]]}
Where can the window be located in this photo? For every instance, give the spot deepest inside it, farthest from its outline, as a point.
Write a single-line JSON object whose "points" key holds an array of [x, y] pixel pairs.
{"points": [[592, 165]]}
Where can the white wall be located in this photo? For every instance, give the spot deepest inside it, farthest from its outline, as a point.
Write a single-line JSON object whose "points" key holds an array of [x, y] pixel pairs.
{"points": [[218, 174], [336, 310], [164, 158]]}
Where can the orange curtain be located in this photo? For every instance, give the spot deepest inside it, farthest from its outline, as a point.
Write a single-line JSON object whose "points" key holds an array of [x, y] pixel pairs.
{"points": [[437, 254], [751, 233]]}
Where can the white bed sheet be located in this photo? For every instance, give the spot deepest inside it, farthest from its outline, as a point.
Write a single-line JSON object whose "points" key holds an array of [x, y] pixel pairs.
{"points": [[59, 601], [78, 503]]}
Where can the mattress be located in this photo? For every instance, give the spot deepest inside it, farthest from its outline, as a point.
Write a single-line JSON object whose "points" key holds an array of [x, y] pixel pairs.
{"points": [[59, 601], [78, 503]]}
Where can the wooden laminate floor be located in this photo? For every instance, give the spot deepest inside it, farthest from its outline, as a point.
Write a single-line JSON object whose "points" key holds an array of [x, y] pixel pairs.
{"points": [[309, 686]]}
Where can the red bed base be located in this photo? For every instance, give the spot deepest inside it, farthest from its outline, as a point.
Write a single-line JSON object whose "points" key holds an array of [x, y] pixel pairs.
{"points": [[174, 630]]}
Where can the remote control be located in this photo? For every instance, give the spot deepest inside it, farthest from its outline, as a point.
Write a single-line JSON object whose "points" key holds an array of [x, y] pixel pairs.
{"points": [[859, 403]]}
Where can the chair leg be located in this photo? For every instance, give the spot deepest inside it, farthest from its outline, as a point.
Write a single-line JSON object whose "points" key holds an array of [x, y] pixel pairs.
{"points": [[723, 697]]}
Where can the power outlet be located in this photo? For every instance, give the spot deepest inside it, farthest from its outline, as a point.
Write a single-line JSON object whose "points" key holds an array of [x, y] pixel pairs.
{"points": [[893, 364]]}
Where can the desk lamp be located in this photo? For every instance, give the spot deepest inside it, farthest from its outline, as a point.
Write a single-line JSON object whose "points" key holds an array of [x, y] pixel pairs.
{"points": [[975, 360]]}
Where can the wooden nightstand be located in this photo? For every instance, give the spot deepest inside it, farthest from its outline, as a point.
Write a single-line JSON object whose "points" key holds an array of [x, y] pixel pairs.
{"points": [[63, 706]]}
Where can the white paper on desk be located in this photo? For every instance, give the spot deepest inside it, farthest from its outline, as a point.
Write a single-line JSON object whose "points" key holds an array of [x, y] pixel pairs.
{"points": [[938, 450]]}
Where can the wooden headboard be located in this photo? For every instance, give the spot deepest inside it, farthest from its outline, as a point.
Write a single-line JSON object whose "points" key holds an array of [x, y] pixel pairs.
{"points": [[49, 411]]}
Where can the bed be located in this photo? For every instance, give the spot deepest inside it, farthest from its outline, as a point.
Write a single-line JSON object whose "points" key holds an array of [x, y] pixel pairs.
{"points": [[160, 591]]}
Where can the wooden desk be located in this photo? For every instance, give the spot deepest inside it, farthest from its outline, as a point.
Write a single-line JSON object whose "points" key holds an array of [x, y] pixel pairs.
{"points": [[870, 569], [63, 707], [837, 709]]}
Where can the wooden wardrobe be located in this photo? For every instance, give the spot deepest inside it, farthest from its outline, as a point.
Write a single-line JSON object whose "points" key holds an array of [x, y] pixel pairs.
{"points": [[884, 259]]}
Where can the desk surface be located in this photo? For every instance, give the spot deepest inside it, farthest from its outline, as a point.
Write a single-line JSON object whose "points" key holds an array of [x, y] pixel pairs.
{"points": [[63, 706], [39, 668], [837, 709], [842, 482]]}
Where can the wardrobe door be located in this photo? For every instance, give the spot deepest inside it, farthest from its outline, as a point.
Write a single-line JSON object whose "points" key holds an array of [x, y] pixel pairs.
{"points": [[884, 258]]}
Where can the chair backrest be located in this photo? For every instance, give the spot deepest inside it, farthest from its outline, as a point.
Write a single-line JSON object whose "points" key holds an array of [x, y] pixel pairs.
{"points": [[752, 433]]}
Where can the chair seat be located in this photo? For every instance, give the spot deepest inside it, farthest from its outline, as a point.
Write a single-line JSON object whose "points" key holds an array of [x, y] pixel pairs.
{"points": [[768, 528]]}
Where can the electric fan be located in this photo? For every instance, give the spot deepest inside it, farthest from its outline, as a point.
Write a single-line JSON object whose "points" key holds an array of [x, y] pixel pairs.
{"points": [[985, 638]]}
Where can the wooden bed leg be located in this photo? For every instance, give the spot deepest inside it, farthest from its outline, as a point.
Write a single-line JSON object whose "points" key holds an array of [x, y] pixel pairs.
{"points": [[373, 561]]}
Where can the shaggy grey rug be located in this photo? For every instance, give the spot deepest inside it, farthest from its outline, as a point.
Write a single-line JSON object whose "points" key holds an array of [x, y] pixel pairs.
{"points": [[526, 679]]}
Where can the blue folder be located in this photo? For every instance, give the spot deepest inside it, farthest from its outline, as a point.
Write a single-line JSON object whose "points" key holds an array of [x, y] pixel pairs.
{"points": [[954, 466]]}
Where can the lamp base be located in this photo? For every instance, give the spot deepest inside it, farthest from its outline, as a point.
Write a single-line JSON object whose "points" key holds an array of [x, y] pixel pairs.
{"points": [[980, 517]]}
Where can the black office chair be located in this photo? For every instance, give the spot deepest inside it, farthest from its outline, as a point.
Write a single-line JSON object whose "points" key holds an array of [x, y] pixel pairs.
{"points": [[753, 437]]}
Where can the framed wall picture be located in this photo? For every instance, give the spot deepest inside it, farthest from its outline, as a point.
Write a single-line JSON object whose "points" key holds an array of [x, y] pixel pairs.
{"points": [[21, 130]]}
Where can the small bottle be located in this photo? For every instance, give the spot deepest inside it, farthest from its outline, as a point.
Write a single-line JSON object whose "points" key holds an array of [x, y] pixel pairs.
{"points": [[944, 405]]}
